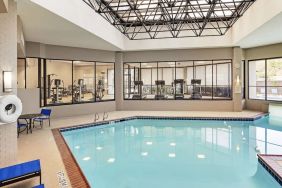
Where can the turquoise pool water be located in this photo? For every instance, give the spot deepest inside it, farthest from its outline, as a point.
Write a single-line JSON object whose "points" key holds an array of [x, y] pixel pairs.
{"points": [[176, 153]]}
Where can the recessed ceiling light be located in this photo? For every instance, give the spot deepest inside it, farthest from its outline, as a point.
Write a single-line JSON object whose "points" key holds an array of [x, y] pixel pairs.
{"points": [[201, 156], [144, 153], [149, 143], [86, 158], [171, 155], [99, 148], [77, 147], [111, 160], [172, 144]]}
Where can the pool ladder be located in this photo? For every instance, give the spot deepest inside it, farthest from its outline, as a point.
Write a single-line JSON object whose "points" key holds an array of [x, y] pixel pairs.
{"points": [[97, 117]]}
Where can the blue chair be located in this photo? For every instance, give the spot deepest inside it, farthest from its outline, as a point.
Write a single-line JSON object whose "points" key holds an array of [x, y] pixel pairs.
{"points": [[39, 186], [20, 172], [20, 124], [46, 113]]}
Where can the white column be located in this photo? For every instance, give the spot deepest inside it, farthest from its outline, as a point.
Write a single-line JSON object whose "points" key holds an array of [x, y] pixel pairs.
{"points": [[237, 79], [119, 80], [8, 62]]}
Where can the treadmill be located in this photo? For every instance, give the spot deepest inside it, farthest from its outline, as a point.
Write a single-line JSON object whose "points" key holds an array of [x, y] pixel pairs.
{"points": [[160, 86], [196, 94], [179, 88]]}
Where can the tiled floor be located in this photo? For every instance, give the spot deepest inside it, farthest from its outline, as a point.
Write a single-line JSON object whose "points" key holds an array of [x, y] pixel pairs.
{"points": [[41, 144]]}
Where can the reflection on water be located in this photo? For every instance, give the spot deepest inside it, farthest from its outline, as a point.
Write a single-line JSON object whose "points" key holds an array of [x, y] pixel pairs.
{"points": [[175, 153]]}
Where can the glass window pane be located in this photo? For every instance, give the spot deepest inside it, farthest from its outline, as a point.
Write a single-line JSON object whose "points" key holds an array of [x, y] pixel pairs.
{"points": [[58, 82], [105, 81], [222, 81], [31, 73], [274, 79], [131, 78], [257, 79], [21, 73], [83, 81], [189, 78], [166, 76]]}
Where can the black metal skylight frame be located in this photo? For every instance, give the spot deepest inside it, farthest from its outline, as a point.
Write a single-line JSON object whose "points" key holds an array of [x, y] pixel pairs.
{"points": [[155, 19]]}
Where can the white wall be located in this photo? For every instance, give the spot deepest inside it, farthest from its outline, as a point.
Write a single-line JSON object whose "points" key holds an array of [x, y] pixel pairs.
{"points": [[8, 62]]}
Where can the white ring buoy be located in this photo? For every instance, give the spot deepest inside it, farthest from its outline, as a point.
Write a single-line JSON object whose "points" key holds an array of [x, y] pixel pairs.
{"points": [[10, 108]]}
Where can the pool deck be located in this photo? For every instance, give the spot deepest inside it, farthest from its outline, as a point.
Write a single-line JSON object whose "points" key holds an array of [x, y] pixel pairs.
{"points": [[41, 143], [273, 164]]}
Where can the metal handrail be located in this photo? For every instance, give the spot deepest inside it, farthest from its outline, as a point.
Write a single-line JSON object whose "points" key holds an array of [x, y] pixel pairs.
{"points": [[96, 117], [105, 116]]}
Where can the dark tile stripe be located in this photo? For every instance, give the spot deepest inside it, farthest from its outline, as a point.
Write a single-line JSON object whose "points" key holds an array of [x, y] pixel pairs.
{"points": [[271, 170], [76, 177], [163, 118]]}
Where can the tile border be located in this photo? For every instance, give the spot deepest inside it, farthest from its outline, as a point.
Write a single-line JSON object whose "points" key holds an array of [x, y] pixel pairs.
{"points": [[94, 124], [75, 174], [270, 168]]}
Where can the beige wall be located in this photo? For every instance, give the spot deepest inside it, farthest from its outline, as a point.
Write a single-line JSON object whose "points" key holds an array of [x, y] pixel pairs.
{"points": [[4, 6], [63, 69], [67, 53], [174, 55], [8, 62], [269, 51]]}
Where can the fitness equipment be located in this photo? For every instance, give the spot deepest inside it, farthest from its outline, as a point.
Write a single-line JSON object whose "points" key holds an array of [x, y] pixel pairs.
{"points": [[196, 94], [57, 91], [49, 84], [138, 94], [78, 93], [100, 89], [160, 89], [179, 88]]}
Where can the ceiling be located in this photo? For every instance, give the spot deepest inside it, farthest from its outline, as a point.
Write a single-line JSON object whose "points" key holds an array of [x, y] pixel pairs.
{"points": [[268, 33], [151, 19], [40, 25], [44, 26]]}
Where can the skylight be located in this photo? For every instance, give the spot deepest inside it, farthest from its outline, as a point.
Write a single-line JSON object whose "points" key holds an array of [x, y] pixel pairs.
{"points": [[155, 19]]}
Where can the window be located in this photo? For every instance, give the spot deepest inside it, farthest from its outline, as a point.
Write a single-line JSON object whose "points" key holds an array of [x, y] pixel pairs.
{"points": [[72, 82], [265, 81], [59, 84], [257, 79], [105, 81], [274, 79], [21, 73], [178, 80], [83, 81], [27, 73]]}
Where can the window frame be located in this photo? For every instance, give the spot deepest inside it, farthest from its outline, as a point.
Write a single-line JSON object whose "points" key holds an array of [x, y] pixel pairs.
{"points": [[42, 70], [266, 77], [228, 61]]}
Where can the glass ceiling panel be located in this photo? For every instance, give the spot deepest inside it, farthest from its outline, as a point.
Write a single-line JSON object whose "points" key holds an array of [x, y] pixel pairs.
{"points": [[152, 19]]}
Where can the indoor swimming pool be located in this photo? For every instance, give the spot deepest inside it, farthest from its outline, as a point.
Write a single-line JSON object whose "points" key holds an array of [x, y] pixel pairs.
{"points": [[150, 153]]}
